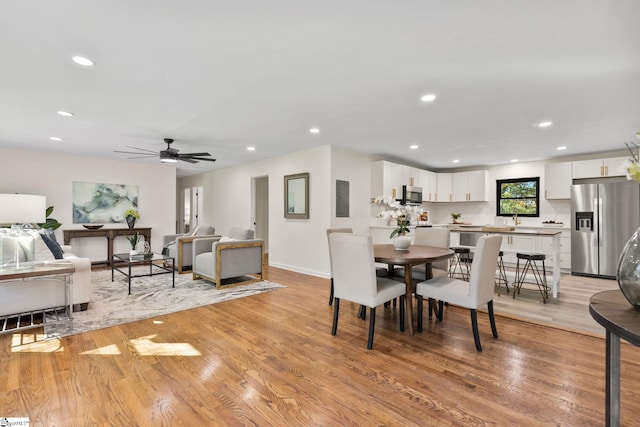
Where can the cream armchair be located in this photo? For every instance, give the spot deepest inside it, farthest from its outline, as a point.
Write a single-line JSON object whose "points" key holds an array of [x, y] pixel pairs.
{"points": [[180, 246], [234, 256]]}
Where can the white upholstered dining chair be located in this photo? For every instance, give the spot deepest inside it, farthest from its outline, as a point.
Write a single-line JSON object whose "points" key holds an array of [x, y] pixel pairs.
{"points": [[355, 280], [473, 294], [429, 236]]}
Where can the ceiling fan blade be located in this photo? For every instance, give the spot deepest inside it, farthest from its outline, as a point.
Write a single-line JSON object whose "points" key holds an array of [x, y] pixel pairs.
{"points": [[142, 156], [203, 158], [187, 160], [193, 154], [151, 153], [141, 149]]}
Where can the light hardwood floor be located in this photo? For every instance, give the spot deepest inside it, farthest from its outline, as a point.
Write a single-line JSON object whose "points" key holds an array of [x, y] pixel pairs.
{"points": [[270, 359]]}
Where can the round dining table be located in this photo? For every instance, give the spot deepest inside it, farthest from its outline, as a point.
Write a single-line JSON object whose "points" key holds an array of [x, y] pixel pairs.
{"points": [[415, 255]]}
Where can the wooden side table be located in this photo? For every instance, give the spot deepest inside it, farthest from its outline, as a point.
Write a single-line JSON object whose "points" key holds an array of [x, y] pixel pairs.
{"points": [[621, 320]]}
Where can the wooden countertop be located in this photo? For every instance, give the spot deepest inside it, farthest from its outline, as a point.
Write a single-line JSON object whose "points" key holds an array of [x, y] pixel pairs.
{"points": [[529, 232]]}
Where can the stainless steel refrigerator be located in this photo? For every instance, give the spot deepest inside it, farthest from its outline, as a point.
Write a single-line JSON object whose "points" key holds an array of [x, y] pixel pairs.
{"points": [[604, 215]]}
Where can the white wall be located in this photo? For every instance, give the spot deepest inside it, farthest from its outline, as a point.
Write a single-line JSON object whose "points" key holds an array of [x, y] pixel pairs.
{"points": [[485, 212], [299, 245], [52, 175]]}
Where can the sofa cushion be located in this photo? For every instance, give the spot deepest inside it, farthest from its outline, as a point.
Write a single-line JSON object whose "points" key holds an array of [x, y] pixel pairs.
{"points": [[240, 233], [42, 251]]}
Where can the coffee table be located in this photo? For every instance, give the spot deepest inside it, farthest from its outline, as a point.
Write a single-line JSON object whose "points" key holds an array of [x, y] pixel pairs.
{"points": [[158, 264]]}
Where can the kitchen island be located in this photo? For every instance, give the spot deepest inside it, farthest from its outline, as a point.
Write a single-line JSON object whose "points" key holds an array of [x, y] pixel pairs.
{"points": [[552, 254]]}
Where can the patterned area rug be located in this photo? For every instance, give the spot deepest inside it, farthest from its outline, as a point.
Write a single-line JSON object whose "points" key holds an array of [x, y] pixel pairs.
{"points": [[150, 297]]}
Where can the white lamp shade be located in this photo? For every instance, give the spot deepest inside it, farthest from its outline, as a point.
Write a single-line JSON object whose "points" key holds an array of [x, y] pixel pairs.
{"points": [[22, 209]]}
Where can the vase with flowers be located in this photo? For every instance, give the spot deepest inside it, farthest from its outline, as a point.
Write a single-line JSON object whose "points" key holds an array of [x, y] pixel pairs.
{"points": [[131, 215], [399, 215], [628, 273], [133, 240]]}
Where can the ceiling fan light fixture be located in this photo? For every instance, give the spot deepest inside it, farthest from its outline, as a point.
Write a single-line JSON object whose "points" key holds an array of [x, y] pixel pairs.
{"points": [[168, 160]]}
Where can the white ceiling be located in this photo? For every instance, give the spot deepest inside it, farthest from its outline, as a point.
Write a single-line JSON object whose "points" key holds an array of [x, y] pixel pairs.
{"points": [[219, 76]]}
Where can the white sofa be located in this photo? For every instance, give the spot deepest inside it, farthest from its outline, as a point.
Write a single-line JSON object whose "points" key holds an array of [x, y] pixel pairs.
{"points": [[37, 294]]}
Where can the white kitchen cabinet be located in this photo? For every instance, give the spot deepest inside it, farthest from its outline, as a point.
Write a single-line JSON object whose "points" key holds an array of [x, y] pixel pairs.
{"points": [[444, 186], [429, 184], [386, 179], [557, 180], [513, 244], [611, 166], [546, 245], [469, 186], [411, 176]]}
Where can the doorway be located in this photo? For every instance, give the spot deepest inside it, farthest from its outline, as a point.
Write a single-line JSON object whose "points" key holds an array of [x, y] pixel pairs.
{"points": [[260, 189], [191, 208]]}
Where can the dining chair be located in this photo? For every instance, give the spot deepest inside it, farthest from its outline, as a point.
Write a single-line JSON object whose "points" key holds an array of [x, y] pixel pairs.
{"points": [[380, 271], [472, 294], [355, 280], [429, 236]]}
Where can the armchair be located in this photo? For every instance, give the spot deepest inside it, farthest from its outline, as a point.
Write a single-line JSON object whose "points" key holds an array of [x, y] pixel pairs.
{"points": [[179, 246], [237, 255]]}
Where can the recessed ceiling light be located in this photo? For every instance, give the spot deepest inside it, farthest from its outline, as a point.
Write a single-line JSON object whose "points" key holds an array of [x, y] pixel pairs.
{"points": [[314, 130], [251, 148], [55, 138], [413, 147], [428, 97], [81, 60], [545, 124], [562, 147], [513, 160], [65, 114], [455, 161]]}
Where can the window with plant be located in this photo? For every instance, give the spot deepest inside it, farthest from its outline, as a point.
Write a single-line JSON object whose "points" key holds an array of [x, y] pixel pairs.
{"points": [[519, 196]]}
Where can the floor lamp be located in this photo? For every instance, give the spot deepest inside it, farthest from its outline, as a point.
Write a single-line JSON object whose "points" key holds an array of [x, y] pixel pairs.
{"points": [[17, 244]]}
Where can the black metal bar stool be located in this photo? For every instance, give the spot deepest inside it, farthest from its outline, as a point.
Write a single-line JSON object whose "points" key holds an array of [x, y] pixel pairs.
{"points": [[459, 267], [502, 275], [530, 264]]}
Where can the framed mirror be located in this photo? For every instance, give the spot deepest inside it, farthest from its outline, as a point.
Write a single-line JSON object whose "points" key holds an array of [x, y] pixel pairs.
{"points": [[296, 196]]}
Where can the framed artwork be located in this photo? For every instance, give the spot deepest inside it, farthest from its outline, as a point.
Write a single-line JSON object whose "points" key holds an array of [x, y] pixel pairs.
{"points": [[98, 203], [296, 196]]}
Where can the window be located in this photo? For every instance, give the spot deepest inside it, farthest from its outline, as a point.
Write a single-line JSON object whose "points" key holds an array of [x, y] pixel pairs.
{"points": [[518, 196]]}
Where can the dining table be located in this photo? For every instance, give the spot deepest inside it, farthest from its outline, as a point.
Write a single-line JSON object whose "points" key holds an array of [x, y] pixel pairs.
{"points": [[414, 255]]}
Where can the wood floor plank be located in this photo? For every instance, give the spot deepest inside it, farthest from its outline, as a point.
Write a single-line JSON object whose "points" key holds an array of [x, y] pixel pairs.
{"points": [[270, 359]]}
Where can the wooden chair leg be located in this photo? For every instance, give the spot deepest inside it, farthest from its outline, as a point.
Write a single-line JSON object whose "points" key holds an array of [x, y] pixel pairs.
{"points": [[331, 293], [372, 326], [474, 326], [336, 308], [420, 308], [492, 320], [402, 311]]}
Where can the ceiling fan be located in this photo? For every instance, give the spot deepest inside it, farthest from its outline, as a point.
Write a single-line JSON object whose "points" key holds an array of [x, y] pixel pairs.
{"points": [[170, 155]]}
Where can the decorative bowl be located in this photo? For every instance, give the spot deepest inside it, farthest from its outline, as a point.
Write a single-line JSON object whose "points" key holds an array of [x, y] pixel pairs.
{"points": [[92, 226]]}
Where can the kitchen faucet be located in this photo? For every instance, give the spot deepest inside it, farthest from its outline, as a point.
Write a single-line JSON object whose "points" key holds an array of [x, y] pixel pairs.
{"points": [[516, 221]]}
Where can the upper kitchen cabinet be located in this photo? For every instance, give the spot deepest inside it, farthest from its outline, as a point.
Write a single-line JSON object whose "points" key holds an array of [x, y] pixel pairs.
{"points": [[469, 186], [598, 168], [387, 178], [557, 180], [411, 176], [444, 187], [429, 184]]}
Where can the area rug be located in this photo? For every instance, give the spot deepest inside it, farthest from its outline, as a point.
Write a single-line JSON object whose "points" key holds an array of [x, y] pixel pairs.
{"points": [[150, 296]]}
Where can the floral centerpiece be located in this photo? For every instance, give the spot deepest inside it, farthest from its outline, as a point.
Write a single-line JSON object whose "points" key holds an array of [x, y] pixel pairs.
{"points": [[631, 165], [133, 240], [131, 215], [398, 212]]}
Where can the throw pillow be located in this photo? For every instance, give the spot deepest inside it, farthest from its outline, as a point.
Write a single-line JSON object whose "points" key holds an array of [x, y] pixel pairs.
{"points": [[52, 245], [42, 252]]}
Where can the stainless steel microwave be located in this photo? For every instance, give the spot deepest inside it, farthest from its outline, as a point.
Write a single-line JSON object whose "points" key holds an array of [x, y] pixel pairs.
{"points": [[411, 195]]}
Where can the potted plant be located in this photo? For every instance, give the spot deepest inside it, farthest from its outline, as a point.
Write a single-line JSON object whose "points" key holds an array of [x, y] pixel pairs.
{"points": [[455, 217], [131, 215], [134, 242]]}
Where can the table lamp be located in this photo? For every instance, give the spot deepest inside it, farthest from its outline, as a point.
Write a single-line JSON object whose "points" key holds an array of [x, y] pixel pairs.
{"points": [[17, 244]]}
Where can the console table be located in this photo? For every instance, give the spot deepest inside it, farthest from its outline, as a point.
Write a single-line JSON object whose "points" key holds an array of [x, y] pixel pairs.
{"points": [[109, 233], [621, 320]]}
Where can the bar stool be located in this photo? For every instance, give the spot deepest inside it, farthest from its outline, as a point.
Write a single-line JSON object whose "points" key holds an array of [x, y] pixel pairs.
{"points": [[531, 264], [502, 275], [459, 267]]}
